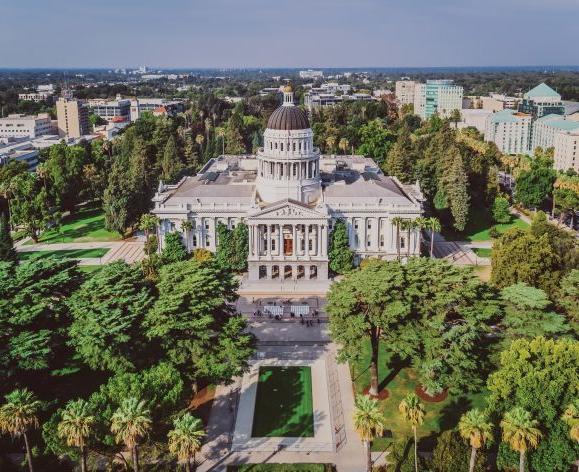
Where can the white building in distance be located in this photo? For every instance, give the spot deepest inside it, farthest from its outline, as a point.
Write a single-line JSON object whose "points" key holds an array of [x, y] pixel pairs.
{"points": [[546, 127], [311, 74], [566, 155], [437, 96], [510, 131], [22, 126], [290, 197], [405, 91]]}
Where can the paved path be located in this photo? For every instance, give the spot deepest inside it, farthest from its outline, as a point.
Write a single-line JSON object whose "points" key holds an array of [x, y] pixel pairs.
{"points": [[129, 251]]}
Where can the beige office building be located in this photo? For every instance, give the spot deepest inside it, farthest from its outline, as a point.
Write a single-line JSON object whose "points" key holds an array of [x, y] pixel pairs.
{"points": [[72, 118], [405, 91]]}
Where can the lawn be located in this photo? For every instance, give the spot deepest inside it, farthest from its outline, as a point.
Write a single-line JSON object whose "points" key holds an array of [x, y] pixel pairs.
{"points": [[280, 468], [283, 403], [478, 226], [87, 225], [65, 253], [89, 268], [483, 272], [400, 381], [482, 251]]}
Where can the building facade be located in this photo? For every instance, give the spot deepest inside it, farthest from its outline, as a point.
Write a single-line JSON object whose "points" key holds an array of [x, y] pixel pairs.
{"points": [[437, 96], [546, 127], [26, 126], [510, 131], [566, 155], [290, 197], [541, 101], [405, 91], [72, 117], [111, 110]]}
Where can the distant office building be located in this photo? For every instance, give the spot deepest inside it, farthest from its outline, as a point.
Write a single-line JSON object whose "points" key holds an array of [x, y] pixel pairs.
{"points": [[497, 102], [546, 127], [437, 96], [270, 90], [540, 101], [35, 96], [169, 107], [405, 91], [311, 74], [475, 118], [566, 155], [317, 97], [26, 126], [112, 110], [49, 88], [72, 117], [510, 131]]}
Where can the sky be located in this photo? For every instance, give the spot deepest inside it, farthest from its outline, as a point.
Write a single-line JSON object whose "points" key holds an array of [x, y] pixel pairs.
{"points": [[283, 33]]}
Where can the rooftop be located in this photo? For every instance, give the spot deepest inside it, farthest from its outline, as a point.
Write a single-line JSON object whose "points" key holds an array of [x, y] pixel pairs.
{"points": [[542, 91]]}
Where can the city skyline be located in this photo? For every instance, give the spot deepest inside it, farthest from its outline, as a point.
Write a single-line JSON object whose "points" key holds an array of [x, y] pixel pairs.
{"points": [[257, 34]]}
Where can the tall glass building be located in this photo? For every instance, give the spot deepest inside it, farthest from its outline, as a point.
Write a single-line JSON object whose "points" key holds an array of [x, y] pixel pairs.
{"points": [[437, 96]]}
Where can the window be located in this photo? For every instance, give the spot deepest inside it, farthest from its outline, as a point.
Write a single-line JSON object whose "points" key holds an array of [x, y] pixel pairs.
{"points": [[402, 242]]}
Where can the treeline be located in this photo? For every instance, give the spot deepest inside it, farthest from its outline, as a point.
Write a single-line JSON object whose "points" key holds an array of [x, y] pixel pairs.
{"points": [[113, 338]]}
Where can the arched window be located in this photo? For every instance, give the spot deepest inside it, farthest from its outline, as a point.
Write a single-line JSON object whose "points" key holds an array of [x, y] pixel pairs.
{"points": [[281, 145]]}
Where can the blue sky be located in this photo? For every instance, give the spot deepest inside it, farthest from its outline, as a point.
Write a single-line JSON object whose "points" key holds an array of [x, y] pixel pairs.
{"points": [[283, 33]]}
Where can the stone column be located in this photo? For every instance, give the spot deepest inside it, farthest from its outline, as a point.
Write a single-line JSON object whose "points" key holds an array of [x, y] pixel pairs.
{"points": [[268, 239], [319, 236], [295, 240], [325, 241], [307, 237], [364, 233]]}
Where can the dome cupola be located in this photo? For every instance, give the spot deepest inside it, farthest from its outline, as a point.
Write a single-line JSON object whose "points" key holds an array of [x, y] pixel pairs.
{"points": [[288, 117]]}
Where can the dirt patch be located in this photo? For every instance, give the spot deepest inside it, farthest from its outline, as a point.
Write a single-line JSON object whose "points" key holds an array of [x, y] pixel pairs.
{"points": [[382, 394], [439, 397], [201, 403]]}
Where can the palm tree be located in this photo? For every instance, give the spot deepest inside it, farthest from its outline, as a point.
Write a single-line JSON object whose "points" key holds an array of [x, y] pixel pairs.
{"points": [[185, 438], [398, 222], [343, 145], [331, 142], [199, 139], [18, 415], [129, 423], [148, 223], [475, 427], [369, 422], [434, 226], [521, 432], [187, 227], [571, 417], [220, 132], [413, 412], [75, 427], [408, 225]]}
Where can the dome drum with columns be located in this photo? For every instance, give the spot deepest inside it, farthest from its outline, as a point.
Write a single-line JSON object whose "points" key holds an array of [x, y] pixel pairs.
{"points": [[290, 196]]}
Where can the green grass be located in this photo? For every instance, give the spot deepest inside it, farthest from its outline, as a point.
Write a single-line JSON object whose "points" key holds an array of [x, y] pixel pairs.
{"points": [[65, 253], [482, 251], [280, 468], [87, 225], [400, 381], [89, 268], [283, 403], [478, 226]]}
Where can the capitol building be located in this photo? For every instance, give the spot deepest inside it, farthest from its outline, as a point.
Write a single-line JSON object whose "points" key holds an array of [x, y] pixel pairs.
{"points": [[290, 197]]}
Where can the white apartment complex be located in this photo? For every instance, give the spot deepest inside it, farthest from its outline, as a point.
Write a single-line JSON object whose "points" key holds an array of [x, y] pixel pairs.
{"points": [[510, 131], [566, 154], [22, 126], [405, 91], [546, 128]]}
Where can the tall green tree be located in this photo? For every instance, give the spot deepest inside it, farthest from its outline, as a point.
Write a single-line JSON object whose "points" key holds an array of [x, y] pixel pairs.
{"points": [[75, 427], [456, 187], [131, 423], [117, 200], [536, 184], [375, 140], [64, 172], [174, 249], [501, 213], [171, 164], [18, 416], [108, 312], [7, 251], [369, 422], [185, 439], [340, 255]]}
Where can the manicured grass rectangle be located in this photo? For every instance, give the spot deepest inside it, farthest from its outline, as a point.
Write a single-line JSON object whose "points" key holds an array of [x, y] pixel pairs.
{"points": [[86, 225], [482, 251], [283, 403], [65, 253]]}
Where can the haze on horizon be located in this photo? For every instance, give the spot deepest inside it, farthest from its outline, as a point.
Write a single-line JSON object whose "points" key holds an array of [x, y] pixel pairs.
{"points": [[298, 33]]}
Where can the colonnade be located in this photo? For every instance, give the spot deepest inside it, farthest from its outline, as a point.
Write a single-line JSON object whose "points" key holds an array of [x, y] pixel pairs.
{"points": [[270, 169], [288, 240]]}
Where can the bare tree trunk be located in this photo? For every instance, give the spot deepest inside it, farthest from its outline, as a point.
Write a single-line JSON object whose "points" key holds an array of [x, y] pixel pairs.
{"points": [[431, 243], [368, 457], [28, 454], [522, 462], [83, 459], [415, 449], [135, 459], [472, 459], [374, 364]]}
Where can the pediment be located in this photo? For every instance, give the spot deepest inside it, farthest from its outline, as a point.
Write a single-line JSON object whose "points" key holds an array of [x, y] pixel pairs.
{"points": [[289, 209]]}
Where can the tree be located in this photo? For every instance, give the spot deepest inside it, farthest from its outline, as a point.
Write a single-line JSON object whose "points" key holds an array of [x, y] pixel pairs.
{"points": [[475, 427], [501, 213], [108, 311], [369, 422], [571, 418], [375, 140], [240, 240], [64, 171], [340, 255], [456, 187], [171, 164], [117, 200], [75, 427], [7, 251], [520, 432], [174, 250], [413, 412], [194, 322], [433, 224], [18, 415], [224, 250], [401, 158], [527, 313], [451, 453], [567, 296], [148, 223], [130, 423], [185, 438], [343, 145], [535, 185], [398, 222], [368, 306]]}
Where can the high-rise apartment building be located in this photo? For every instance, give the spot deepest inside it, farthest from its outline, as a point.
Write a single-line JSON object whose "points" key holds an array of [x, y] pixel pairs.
{"points": [[405, 91], [510, 131], [72, 117], [566, 155], [437, 96], [546, 127]]}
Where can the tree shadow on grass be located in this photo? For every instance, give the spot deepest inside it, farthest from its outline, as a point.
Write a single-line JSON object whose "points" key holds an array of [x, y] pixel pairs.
{"points": [[450, 414]]}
